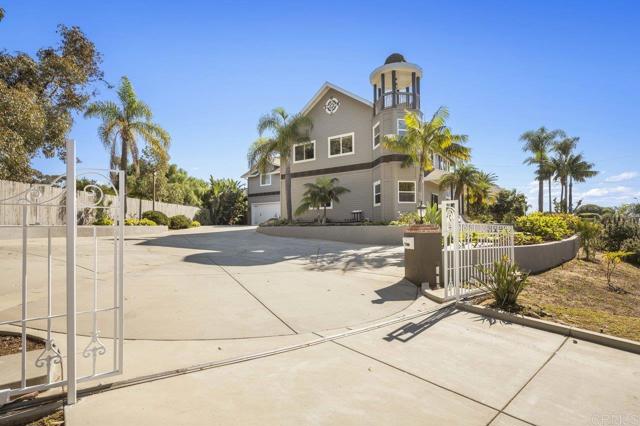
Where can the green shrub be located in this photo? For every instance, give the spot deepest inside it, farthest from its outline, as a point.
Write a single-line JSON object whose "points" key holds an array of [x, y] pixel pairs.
{"points": [[432, 215], [632, 245], [482, 218], [504, 281], [550, 227], [611, 261], [409, 218], [158, 217], [103, 220], [525, 239], [616, 231], [179, 221], [146, 222], [132, 221], [589, 234], [195, 223]]}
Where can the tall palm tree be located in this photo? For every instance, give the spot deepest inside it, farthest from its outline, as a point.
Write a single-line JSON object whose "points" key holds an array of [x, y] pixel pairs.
{"points": [[578, 170], [563, 149], [462, 178], [122, 125], [538, 142], [423, 139], [287, 130], [322, 193]]}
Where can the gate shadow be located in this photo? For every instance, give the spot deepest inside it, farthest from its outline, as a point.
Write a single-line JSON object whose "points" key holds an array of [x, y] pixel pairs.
{"points": [[410, 330]]}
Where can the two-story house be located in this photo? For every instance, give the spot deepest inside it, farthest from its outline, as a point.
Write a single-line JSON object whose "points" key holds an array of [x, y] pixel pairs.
{"points": [[346, 142]]}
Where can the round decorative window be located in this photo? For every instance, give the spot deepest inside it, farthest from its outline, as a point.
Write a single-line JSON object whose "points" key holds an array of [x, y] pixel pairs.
{"points": [[331, 106]]}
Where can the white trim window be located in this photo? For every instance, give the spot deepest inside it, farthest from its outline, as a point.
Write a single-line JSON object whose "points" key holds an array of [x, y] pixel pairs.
{"points": [[375, 135], [303, 152], [406, 191], [377, 193], [402, 127], [265, 179], [340, 145], [329, 207]]}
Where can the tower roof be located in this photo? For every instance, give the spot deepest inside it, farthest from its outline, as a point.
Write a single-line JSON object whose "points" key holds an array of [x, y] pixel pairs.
{"points": [[394, 58]]}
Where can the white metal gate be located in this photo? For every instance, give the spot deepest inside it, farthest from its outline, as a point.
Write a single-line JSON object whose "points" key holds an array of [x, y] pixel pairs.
{"points": [[467, 246], [69, 356]]}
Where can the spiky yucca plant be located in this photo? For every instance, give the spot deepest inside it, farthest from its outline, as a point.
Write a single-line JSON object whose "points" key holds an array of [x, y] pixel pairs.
{"points": [[504, 281]]}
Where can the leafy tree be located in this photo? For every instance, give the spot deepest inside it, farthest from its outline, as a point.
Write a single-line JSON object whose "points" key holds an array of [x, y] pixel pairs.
{"points": [[224, 203], [38, 97], [424, 139], [184, 189], [538, 142], [287, 130], [508, 205], [320, 194], [123, 124]]}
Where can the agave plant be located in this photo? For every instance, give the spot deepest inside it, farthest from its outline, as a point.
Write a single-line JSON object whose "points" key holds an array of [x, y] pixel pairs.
{"points": [[503, 280]]}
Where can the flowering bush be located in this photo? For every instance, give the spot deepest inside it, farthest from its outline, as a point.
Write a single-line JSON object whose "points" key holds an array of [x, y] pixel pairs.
{"points": [[549, 227]]}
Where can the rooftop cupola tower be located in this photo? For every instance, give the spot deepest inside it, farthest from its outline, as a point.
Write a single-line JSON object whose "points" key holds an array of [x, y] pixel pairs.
{"points": [[396, 84]]}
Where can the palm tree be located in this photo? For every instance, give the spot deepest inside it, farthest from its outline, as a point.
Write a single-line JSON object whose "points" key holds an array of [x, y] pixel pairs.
{"points": [[578, 170], [564, 149], [461, 179], [481, 190], [538, 142], [122, 124], [322, 193], [287, 130], [423, 139]]}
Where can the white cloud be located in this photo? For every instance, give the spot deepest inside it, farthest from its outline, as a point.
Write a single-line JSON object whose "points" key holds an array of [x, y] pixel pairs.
{"points": [[622, 177], [604, 192]]}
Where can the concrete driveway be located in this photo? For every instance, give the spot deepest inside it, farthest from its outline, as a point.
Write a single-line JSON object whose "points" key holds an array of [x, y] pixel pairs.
{"points": [[221, 283], [226, 326], [437, 368]]}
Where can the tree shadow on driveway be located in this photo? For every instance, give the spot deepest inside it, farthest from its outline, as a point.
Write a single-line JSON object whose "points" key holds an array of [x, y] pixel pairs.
{"points": [[238, 246]]}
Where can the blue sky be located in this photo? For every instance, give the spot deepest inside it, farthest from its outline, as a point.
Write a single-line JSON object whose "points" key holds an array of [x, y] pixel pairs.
{"points": [[210, 69]]}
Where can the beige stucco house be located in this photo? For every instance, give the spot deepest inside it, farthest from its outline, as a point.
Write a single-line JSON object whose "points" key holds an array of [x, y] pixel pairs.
{"points": [[346, 142]]}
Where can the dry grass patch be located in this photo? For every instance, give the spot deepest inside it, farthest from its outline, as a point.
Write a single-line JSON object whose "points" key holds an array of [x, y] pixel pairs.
{"points": [[576, 294], [55, 419]]}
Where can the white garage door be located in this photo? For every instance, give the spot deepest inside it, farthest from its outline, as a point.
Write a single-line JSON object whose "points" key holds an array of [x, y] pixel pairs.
{"points": [[261, 212]]}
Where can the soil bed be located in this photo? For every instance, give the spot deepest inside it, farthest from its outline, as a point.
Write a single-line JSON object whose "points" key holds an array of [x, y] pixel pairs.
{"points": [[13, 344], [576, 294]]}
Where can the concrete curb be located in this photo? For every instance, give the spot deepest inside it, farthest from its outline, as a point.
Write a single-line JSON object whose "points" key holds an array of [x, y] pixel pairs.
{"points": [[552, 327]]}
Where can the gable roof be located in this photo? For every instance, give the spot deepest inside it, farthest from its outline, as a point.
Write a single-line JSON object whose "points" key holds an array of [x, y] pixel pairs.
{"points": [[254, 170], [324, 89]]}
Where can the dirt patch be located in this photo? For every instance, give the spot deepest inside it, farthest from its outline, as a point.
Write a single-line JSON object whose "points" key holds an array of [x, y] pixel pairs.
{"points": [[576, 294], [55, 419], [13, 344]]}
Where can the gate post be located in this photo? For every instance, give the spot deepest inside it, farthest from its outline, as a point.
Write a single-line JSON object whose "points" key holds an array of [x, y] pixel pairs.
{"points": [[71, 272]]}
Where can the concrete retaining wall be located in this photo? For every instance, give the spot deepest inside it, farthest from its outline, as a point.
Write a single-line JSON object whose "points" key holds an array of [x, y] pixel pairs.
{"points": [[360, 234], [15, 232], [541, 257]]}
